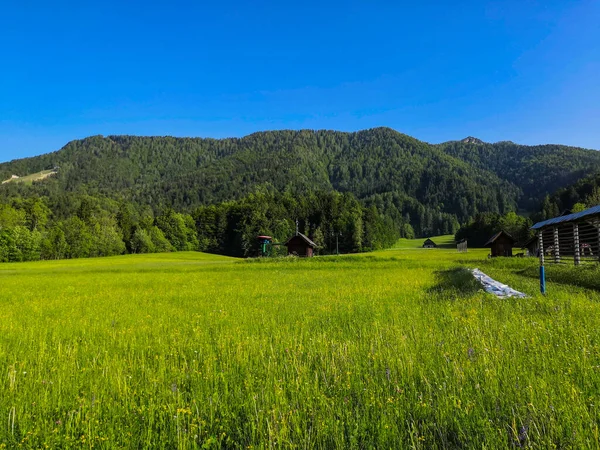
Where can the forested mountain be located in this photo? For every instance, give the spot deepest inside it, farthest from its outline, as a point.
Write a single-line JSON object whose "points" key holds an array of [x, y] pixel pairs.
{"points": [[411, 186], [457, 178], [536, 170]]}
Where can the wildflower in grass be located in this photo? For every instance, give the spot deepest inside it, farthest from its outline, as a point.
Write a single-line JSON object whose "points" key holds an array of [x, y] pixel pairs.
{"points": [[522, 436]]}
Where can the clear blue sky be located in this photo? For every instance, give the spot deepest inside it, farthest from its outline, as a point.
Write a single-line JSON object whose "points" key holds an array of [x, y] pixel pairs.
{"points": [[521, 70]]}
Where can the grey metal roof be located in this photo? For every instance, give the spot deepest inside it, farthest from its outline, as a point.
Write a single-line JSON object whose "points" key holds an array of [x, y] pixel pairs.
{"points": [[567, 218]]}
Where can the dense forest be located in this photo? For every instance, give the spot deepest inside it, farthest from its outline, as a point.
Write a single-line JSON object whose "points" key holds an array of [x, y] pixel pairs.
{"points": [[100, 226], [371, 186], [583, 194], [483, 226], [537, 171]]}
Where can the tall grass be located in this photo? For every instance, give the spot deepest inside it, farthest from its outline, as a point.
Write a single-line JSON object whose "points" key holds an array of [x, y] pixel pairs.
{"points": [[396, 349]]}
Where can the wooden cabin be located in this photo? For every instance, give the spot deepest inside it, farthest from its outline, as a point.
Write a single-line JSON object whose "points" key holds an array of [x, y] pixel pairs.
{"points": [[532, 246], [300, 245], [501, 244], [429, 244]]}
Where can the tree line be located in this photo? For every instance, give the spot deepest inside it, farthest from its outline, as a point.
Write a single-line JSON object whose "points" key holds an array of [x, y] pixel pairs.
{"points": [[483, 226], [583, 194], [92, 226]]}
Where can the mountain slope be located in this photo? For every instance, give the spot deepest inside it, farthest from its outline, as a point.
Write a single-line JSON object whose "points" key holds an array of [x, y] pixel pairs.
{"points": [[537, 170], [585, 191], [397, 173]]}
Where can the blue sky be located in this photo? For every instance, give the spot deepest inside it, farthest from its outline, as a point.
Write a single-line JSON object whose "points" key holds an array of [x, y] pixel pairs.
{"points": [[526, 70]]}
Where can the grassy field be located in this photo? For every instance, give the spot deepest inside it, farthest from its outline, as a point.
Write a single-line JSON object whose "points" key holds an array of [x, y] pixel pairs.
{"points": [[394, 349], [446, 241]]}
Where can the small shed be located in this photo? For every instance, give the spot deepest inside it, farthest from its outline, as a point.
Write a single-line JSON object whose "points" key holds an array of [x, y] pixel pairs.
{"points": [[501, 244], [532, 246], [429, 244], [300, 245]]}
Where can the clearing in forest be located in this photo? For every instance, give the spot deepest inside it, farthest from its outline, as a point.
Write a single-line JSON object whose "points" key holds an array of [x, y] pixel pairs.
{"points": [[32, 177]]}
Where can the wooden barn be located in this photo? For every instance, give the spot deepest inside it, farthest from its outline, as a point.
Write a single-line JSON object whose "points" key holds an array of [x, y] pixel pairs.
{"points": [[532, 246], [429, 244], [501, 244], [569, 236], [300, 245]]}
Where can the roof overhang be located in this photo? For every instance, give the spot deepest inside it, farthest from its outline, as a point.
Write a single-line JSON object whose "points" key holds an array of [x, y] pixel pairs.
{"points": [[304, 238], [568, 218]]}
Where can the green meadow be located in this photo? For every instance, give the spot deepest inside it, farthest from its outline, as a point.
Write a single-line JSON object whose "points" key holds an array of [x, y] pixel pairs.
{"points": [[393, 349]]}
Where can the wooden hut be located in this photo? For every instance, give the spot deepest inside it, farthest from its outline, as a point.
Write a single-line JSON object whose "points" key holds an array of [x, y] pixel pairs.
{"points": [[501, 244], [429, 244], [532, 246], [300, 245]]}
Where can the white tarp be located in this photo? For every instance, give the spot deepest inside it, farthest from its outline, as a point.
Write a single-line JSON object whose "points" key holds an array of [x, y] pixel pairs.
{"points": [[495, 287]]}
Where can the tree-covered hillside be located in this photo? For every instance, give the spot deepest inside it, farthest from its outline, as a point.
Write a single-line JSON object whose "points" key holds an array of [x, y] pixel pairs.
{"points": [[431, 187], [537, 170], [585, 193]]}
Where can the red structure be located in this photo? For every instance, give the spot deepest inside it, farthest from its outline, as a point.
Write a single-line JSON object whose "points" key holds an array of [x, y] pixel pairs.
{"points": [[300, 245], [501, 244]]}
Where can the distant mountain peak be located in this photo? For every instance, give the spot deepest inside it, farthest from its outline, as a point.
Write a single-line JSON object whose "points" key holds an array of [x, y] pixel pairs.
{"points": [[472, 140]]}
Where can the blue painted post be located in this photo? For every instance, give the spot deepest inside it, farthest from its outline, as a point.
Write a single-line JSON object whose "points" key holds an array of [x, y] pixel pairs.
{"points": [[542, 269], [542, 279]]}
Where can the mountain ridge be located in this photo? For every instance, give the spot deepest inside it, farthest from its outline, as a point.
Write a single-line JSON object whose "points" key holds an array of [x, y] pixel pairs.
{"points": [[468, 139], [435, 183]]}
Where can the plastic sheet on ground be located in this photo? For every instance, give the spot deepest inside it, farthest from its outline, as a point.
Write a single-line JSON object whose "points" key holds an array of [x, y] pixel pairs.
{"points": [[495, 287]]}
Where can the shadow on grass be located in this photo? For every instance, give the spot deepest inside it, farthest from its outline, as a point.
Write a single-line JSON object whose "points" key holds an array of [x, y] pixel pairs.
{"points": [[456, 282], [585, 276]]}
